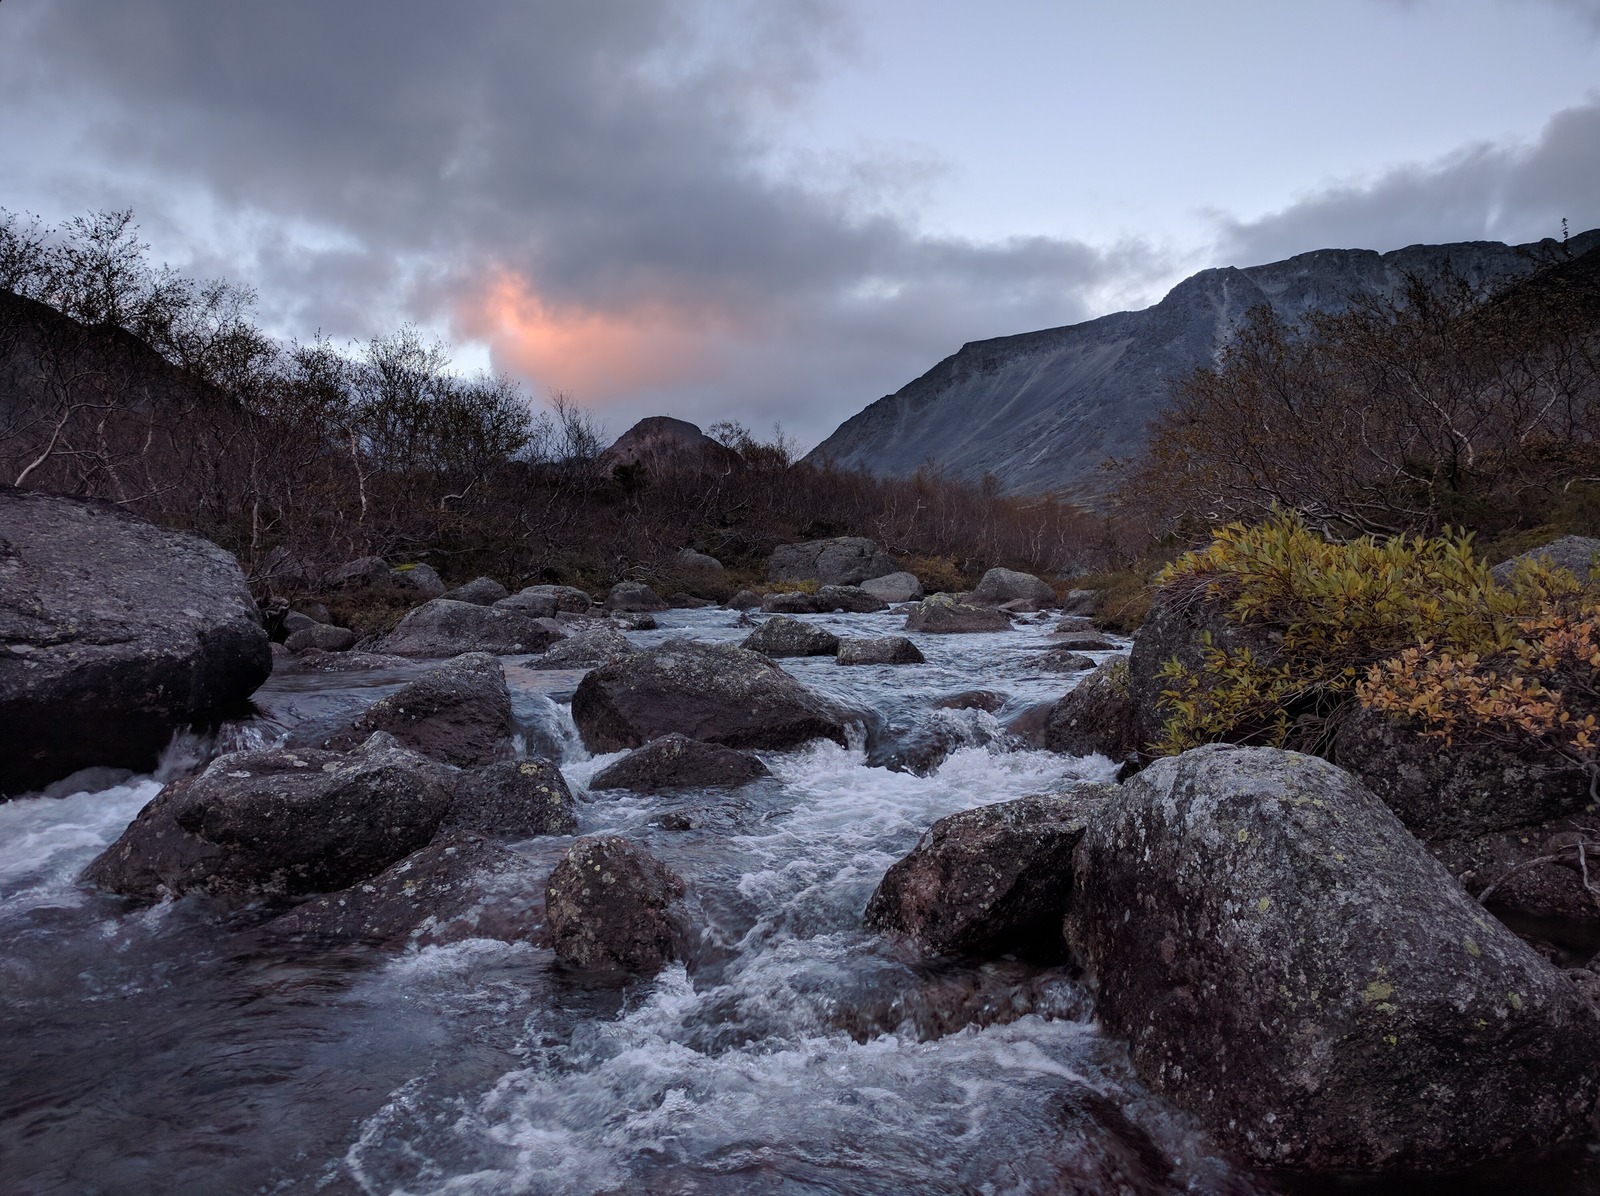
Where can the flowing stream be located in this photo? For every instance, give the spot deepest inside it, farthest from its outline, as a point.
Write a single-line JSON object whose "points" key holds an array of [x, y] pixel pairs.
{"points": [[170, 1049]]}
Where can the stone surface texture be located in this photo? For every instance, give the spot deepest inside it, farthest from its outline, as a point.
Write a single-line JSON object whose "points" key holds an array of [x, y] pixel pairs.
{"points": [[608, 903]]}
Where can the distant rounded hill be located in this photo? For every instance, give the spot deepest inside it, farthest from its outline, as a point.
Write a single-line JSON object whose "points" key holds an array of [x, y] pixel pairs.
{"points": [[660, 443]]}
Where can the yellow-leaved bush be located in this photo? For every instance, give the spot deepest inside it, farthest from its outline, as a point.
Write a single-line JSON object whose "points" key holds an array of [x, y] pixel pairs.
{"points": [[1350, 615]]}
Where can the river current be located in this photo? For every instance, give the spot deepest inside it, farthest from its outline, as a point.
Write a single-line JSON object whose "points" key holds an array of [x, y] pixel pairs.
{"points": [[169, 1049]]}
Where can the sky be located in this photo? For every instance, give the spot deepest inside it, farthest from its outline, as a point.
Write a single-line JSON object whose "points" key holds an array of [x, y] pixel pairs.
{"points": [[776, 211]]}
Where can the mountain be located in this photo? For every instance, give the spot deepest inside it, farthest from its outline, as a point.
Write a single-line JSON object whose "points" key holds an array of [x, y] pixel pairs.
{"points": [[1042, 411]]}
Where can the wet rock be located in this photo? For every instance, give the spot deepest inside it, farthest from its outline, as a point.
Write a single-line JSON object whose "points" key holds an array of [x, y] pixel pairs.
{"points": [[527, 602], [1075, 623], [585, 650], [444, 627], [315, 660], [634, 596], [1020, 606], [459, 713], [792, 602], [853, 599], [114, 633], [942, 613], [894, 587], [698, 562], [1450, 791], [999, 586], [363, 572], [1076, 641], [678, 762], [712, 692], [514, 799], [1290, 965], [480, 591], [744, 600], [780, 636], [420, 579], [280, 823], [1029, 726], [921, 748], [682, 601], [1095, 718], [635, 620], [323, 638], [461, 886], [608, 908], [842, 561], [1059, 660], [1572, 553], [885, 649], [971, 699], [989, 880]]}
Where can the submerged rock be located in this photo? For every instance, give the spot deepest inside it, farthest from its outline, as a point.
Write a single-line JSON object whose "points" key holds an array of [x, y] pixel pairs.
{"points": [[712, 692], [459, 712], [114, 633], [886, 649], [988, 880], [461, 886], [942, 613], [280, 823], [444, 627], [608, 905], [780, 636], [1289, 964], [678, 762], [514, 799]]}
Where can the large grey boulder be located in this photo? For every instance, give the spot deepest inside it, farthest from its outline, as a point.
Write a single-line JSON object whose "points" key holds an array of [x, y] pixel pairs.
{"points": [[461, 886], [884, 649], [444, 627], [691, 561], [782, 636], [608, 904], [323, 638], [459, 713], [1095, 718], [894, 587], [852, 599], [634, 596], [989, 880], [512, 799], [480, 591], [527, 602], [585, 650], [716, 693], [1292, 966], [568, 599], [1572, 553], [422, 580], [280, 823], [999, 586], [113, 634], [793, 602], [677, 762], [842, 561], [942, 614]]}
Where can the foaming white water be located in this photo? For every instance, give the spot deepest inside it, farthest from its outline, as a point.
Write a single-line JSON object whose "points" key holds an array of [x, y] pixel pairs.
{"points": [[46, 841]]}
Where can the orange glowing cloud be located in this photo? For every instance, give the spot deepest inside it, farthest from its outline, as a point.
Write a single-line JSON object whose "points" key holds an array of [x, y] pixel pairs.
{"points": [[591, 353]]}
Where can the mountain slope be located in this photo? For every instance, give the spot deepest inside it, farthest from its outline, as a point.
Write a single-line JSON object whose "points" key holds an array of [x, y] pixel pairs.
{"points": [[1042, 410]]}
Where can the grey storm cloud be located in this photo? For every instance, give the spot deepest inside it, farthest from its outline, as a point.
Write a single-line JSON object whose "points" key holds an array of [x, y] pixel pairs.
{"points": [[1484, 192], [613, 153]]}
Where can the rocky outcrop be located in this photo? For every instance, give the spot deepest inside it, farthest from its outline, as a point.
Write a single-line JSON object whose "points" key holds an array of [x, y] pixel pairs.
{"points": [[678, 762], [894, 587], [1290, 965], [114, 633], [608, 906], [480, 591], [780, 636], [280, 823], [944, 615], [444, 627], [990, 880], [842, 561], [634, 596], [1575, 554], [461, 886], [1000, 586], [886, 649], [512, 799], [459, 713], [712, 692], [1096, 718], [585, 650], [323, 638]]}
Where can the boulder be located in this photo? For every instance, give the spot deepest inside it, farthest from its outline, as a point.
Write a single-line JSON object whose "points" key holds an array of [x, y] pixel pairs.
{"points": [[363, 572], [480, 591], [716, 693], [999, 586], [567, 598], [323, 638], [1550, 873], [943, 614], [1464, 789], [1080, 602], [894, 587], [586, 650], [989, 880], [527, 602], [114, 633], [1075, 623], [461, 886], [972, 699], [1572, 553], [843, 561], [793, 602], [884, 649], [608, 906], [1059, 660], [852, 599], [744, 600], [294, 621], [459, 713], [1096, 717], [781, 636], [677, 762], [513, 799], [1079, 641], [444, 627], [682, 601], [420, 579], [1291, 966], [315, 660], [633, 596], [1019, 606], [691, 561], [922, 747], [634, 620], [280, 823]]}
